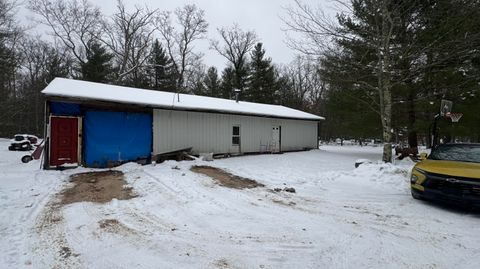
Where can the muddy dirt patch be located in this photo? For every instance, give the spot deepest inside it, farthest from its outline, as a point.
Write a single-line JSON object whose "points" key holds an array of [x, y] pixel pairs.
{"points": [[114, 226], [108, 223], [226, 179], [98, 187], [66, 252]]}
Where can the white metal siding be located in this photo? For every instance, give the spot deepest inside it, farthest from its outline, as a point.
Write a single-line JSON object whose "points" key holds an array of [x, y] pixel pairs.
{"points": [[212, 132]]}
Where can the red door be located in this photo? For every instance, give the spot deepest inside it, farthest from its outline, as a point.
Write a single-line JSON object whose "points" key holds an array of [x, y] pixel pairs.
{"points": [[63, 140]]}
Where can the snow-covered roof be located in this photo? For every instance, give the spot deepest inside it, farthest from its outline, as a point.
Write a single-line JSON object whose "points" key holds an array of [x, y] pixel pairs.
{"points": [[79, 89]]}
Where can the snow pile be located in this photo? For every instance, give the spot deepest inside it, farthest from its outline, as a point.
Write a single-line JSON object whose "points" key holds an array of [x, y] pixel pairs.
{"points": [[382, 172]]}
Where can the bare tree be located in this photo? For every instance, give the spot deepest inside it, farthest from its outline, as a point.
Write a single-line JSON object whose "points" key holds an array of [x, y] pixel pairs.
{"points": [[34, 57], [40, 62], [34, 53], [305, 77], [194, 77], [6, 16], [235, 48], [73, 22], [305, 87], [314, 28], [190, 27], [129, 37], [10, 33]]}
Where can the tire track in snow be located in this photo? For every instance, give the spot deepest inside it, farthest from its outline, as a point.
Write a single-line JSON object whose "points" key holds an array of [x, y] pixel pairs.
{"points": [[182, 198], [50, 242], [187, 194], [201, 229]]}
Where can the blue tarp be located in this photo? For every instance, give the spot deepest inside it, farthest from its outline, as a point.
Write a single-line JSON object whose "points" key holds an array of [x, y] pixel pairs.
{"points": [[65, 109], [111, 138]]}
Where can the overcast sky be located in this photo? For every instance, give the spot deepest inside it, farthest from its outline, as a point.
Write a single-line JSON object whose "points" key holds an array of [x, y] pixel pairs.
{"points": [[262, 16]]}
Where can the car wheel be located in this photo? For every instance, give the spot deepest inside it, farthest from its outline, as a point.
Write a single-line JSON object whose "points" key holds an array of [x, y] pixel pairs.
{"points": [[417, 196], [11, 148], [26, 158]]}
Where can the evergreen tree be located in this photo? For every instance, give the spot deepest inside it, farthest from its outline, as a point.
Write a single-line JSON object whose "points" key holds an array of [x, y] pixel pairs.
{"points": [[262, 80], [366, 65], [161, 73], [449, 39], [227, 84], [211, 83], [286, 94], [396, 60], [196, 84], [98, 66], [240, 77]]}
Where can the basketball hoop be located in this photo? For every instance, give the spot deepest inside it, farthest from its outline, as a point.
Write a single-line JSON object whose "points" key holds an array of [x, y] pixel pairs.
{"points": [[455, 117]]}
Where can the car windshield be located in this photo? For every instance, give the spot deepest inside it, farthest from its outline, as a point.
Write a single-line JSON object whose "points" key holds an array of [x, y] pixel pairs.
{"points": [[462, 153], [19, 138]]}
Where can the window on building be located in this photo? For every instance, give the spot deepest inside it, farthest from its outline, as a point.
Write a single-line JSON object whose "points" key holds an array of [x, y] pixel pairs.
{"points": [[236, 135]]}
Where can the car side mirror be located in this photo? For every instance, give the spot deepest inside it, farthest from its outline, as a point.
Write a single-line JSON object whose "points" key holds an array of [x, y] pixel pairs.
{"points": [[423, 156]]}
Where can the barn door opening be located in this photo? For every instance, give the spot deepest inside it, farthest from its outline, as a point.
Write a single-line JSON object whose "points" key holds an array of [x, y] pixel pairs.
{"points": [[276, 139], [112, 138], [64, 134]]}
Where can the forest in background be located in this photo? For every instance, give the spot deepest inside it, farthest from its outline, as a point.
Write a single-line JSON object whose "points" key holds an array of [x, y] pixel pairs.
{"points": [[378, 69]]}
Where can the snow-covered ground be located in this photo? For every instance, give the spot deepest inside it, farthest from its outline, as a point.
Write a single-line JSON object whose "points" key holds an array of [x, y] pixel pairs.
{"points": [[339, 217]]}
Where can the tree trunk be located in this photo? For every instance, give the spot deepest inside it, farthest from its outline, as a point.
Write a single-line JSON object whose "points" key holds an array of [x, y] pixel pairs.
{"points": [[384, 81], [412, 133], [387, 125]]}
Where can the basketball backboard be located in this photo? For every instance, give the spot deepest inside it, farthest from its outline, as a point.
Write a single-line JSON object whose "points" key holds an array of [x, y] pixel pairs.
{"points": [[445, 107]]}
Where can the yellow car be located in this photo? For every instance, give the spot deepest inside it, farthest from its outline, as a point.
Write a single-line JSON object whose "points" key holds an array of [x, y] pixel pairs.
{"points": [[451, 173]]}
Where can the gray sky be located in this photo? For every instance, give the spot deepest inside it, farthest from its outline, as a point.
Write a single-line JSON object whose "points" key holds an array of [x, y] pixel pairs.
{"points": [[262, 16]]}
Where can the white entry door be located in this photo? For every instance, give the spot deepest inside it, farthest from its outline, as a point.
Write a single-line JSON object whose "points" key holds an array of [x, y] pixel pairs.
{"points": [[275, 145]]}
